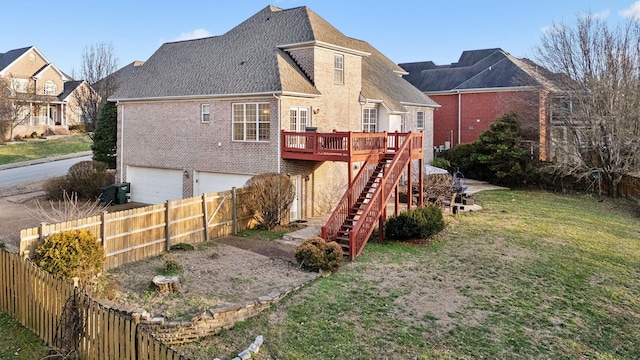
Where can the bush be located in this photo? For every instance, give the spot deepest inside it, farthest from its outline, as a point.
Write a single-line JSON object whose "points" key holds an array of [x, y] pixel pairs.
{"points": [[181, 247], [34, 135], [442, 163], [56, 187], [269, 196], [78, 128], [86, 177], [417, 224], [316, 254], [501, 155], [71, 254], [171, 265]]}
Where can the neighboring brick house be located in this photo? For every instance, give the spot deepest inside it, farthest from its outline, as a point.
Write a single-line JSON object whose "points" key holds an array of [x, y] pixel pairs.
{"points": [[205, 115], [479, 88], [43, 96]]}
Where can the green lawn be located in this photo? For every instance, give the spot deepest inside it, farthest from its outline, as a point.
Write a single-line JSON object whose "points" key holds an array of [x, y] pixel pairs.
{"points": [[37, 149], [16, 342], [534, 275]]}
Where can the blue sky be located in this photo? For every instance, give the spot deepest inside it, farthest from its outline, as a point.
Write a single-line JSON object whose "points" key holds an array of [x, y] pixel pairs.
{"points": [[404, 30]]}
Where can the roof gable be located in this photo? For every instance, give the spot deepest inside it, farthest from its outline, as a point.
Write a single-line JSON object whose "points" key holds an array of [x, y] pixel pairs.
{"points": [[251, 59], [477, 69]]}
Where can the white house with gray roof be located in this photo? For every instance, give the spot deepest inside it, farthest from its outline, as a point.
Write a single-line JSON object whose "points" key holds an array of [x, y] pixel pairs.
{"points": [[205, 115]]}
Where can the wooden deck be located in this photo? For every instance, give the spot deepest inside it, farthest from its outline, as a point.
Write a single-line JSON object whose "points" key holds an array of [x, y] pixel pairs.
{"points": [[345, 146]]}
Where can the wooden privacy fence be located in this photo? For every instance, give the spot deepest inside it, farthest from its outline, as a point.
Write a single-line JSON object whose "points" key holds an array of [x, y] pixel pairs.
{"points": [[136, 234], [40, 302]]}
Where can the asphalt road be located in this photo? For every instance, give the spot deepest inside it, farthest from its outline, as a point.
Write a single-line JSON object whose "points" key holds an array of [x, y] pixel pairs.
{"points": [[38, 171]]}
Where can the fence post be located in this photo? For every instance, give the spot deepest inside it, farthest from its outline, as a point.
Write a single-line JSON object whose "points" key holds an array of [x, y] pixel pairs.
{"points": [[103, 229], [205, 215], [234, 209], [41, 231], [167, 227]]}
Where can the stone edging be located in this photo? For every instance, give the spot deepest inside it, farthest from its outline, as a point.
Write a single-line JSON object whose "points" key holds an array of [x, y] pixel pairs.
{"points": [[211, 321]]}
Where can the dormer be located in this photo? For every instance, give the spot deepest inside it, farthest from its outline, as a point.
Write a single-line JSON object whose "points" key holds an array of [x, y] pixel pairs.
{"points": [[328, 65]]}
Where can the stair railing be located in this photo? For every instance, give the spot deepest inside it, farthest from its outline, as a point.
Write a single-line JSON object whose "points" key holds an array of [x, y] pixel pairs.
{"points": [[363, 228], [342, 210]]}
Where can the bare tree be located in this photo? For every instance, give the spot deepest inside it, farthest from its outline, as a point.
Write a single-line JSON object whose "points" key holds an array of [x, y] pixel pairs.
{"points": [[17, 106], [98, 63], [596, 119]]}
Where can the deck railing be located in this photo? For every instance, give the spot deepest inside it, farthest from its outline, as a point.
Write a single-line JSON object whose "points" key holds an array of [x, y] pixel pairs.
{"points": [[334, 146]]}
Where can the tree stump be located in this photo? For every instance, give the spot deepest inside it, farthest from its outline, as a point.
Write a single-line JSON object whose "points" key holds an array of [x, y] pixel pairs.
{"points": [[167, 284]]}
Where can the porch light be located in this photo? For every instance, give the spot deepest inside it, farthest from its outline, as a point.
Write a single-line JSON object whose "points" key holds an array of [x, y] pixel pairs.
{"points": [[362, 100]]}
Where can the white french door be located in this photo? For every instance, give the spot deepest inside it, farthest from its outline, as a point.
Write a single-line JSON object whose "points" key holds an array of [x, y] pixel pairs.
{"points": [[298, 122]]}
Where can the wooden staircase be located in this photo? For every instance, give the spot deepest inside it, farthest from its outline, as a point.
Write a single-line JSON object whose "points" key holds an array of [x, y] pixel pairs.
{"points": [[364, 202], [356, 211]]}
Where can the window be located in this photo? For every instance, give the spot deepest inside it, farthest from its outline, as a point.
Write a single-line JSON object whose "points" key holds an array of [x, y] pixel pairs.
{"points": [[20, 85], [369, 120], [206, 116], [251, 122], [420, 120], [403, 123], [50, 88], [338, 69]]}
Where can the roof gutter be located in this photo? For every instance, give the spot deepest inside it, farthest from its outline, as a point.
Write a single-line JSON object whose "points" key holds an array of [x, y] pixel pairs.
{"points": [[209, 96], [478, 90], [424, 105]]}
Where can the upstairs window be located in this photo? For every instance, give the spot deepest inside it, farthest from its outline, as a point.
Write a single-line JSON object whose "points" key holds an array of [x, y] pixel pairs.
{"points": [[369, 120], [420, 120], [50, 88], [251, 122], [206, 115], [338, 69]]}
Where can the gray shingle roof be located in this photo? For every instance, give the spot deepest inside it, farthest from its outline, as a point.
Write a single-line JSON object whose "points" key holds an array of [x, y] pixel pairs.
{"points": [[69, 87], [478, 69], [10, 56], [247, 60]]}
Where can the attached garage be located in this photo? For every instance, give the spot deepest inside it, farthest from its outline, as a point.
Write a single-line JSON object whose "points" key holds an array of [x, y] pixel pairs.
{"points": [[154, 185], [210, 182]]}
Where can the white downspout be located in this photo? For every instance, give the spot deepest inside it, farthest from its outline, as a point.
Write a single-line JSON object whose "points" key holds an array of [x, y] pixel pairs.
{"points": [[122, 144], [459, 117], [279, 136]]}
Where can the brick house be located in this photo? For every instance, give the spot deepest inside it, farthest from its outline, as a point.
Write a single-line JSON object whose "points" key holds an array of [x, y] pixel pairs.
{"points": [[43, 96], [284, 92], [480, 87]]}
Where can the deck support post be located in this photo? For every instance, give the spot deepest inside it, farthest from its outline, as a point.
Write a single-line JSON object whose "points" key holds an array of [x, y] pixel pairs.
{"points": [[421, 182]]}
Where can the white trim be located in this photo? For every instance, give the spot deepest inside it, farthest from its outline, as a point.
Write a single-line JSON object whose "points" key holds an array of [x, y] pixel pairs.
{"points": [[202, 113], [256, 121], [421, 105], [423, 120], [482, 90], [214, 96], [2, 71], [325, 45], [39, 74], [338, 69]]}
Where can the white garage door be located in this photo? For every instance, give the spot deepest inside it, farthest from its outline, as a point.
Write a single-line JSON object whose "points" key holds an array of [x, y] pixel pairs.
{"points": [[209, 182], [154, 185]]}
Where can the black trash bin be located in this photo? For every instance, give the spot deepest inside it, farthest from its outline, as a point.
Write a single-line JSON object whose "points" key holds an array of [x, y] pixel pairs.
{"points": [[122, 189], [108, 195]]}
